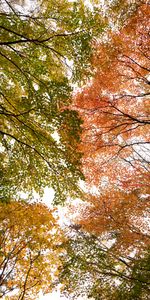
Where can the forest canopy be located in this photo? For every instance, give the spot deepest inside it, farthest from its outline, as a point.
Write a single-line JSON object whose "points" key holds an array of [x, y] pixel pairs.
{"points": [[75, 117], [37, 48]]}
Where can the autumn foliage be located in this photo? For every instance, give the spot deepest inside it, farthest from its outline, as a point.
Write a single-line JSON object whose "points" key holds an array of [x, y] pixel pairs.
{"points": [[91, 145], [119, 217], [115, 108], [29, 235], [116, 139]]}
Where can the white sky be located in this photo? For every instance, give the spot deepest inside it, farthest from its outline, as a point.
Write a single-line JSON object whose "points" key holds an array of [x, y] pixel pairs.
{"points": [[57, 296], [52, 296]]}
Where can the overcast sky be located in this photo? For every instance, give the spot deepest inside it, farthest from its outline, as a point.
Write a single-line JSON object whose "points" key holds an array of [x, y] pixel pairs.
{"points": [[52, 296], [56, 296]]}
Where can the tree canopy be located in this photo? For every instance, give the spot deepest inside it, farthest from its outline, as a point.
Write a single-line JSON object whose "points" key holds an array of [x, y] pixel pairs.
{"points": [[91, 268], [108, 252], [115, 136], [115, 108], [43, 52], [118, 216], [29, 258], [74, 106]]}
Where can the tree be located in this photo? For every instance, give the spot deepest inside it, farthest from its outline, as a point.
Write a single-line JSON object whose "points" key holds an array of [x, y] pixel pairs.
{"points": [[36, 49], [115, 108], [119, 217], [140, 270], [29, 260], [115, 138], [91, 268], [119, 11]]}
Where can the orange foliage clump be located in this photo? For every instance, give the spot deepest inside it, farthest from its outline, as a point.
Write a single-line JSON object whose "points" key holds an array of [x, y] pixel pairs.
{"points": [[120, 216], [115, 108], [115, 139]]}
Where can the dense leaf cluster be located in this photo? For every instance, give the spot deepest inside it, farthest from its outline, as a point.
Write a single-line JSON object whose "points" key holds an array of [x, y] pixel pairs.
{"points": [[36, 49], [91, 268]]}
